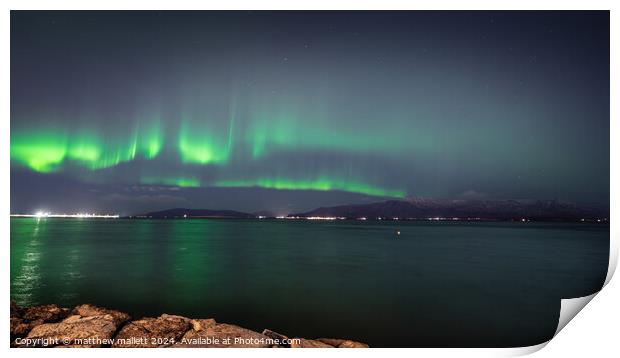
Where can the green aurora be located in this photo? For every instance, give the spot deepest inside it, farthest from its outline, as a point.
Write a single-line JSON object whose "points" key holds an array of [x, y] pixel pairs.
{"points": [[123, 111], [322, 184], [46, 151], [196, 146]]}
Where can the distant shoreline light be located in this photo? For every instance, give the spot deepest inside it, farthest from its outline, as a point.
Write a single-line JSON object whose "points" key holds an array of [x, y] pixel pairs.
{"points": [[42, 215]]}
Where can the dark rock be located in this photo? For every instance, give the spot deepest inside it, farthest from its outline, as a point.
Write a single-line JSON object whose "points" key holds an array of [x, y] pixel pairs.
{"points": [[19, 327], [15, 310], [201, 324], [89, 326], [280, 339], [88, 310], [342, 343], [92, 331], [45, 313], [352, 344], [23, 320], [331, 341], [209, 334], [152, 332], [308, 343]]}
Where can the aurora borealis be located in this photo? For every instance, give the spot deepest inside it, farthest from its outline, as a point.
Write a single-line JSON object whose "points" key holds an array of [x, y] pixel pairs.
{"points": [[283, 111]]}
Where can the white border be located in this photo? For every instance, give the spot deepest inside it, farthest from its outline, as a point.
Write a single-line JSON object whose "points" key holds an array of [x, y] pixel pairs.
{"points": [[595, 331]]}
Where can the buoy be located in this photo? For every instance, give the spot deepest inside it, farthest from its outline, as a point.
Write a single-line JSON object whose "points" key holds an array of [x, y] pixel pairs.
{"points": [[398, 232]]}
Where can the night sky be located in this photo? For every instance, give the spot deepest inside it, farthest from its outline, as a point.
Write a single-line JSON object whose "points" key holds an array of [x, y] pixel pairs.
{"points": [[133, 111]]}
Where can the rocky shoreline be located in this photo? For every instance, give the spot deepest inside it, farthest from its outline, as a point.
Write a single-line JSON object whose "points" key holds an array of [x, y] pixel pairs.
{"points": [[88, 326]]}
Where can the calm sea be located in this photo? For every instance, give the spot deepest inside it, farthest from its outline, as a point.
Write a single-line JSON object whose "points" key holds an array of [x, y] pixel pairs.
{"points": [[435, 284]]}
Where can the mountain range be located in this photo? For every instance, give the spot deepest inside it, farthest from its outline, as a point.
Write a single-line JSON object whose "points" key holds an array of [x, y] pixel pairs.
{"points": [[179, 213], [552, 210], [548, 210]]}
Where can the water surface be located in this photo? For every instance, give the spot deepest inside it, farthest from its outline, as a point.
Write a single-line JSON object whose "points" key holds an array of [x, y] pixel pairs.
{"points": [[436, 284]]}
